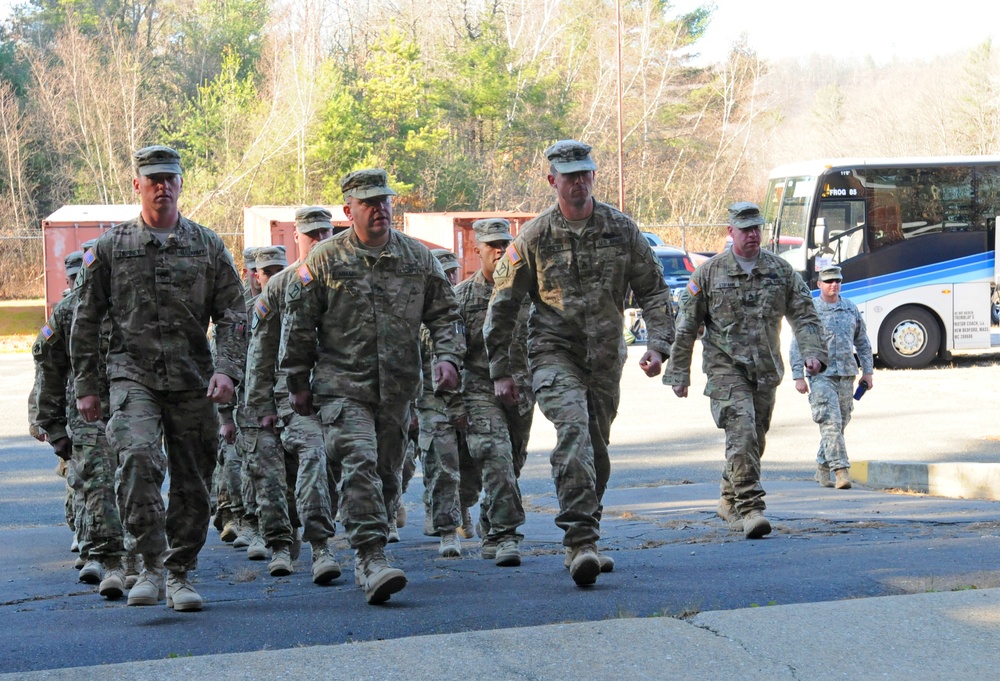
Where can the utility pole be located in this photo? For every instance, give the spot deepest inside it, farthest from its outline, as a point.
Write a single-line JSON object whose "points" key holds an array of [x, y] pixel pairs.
{"points": [[621, 154]]}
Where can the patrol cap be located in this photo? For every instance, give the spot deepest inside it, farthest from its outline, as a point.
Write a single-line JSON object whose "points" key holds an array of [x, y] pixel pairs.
{"points": [[448, 260], [492, 229], [310, 219], [271, 255], [74, 263], [365, 184], [831, 273], [157, 160], [570, 156], [744, 215], [250, 257]]}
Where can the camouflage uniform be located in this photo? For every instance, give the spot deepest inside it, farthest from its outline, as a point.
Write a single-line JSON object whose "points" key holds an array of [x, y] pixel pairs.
{"points": [[353, 319], [497, 434], [831, 393], [160, 298], [577, 284], [742, 356]]}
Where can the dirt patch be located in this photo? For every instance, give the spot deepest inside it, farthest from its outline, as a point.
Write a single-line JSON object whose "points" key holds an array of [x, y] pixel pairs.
{"points": [[20, 321]]}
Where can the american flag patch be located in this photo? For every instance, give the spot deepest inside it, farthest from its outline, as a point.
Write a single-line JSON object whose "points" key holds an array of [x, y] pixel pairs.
{"points": [[305, 275], [513, 255], [693, 288], [89, 258], [47, 332], [262, 309]]}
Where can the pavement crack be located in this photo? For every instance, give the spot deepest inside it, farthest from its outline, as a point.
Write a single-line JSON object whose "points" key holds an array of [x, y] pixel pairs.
{"points": [[37, 599]]}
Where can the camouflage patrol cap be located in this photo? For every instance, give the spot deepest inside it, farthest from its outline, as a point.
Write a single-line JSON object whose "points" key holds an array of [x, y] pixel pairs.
{"points": [[310, 219], [448, 260], [492, 229], [74, 263], [366, 184], [744, 215], [570, 156], [157, 160], [271, 255], [250, 257], [831, 273]]}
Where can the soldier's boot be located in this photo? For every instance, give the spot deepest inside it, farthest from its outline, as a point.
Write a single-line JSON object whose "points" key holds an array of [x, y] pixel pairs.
{"points": [[131, 569], [325, 568], [244, 534], [80, 561], [488, 547], [429, 523], [375, 576], [728, 512], [401, 515], [508, 553], [281, 561], [843, 478], [75, 546], [220, 519], [151, 587], [91, 572], [181, 596], [393, 536], [466, 530], [257, 550], [755, 525], [113, 585], [450, 546], [823, 475], [607, 562], [295, 549], [230, 530], [586, 564]]}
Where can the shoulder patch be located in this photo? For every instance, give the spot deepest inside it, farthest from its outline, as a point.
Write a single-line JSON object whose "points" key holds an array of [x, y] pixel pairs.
{"points": [[693, 287], [514, 255], [305, 274], [89, 259], [47, 332], [262, 309]]}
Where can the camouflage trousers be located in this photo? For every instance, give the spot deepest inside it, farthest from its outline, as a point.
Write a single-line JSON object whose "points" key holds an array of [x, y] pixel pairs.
{"points": [[581, 406], [470, 478], [438, 442], [832, 401], [489, 439], [267, 470], [153, 432], [91, 473], [743, 409], [316, 480], [230, 491], [368, 442]]}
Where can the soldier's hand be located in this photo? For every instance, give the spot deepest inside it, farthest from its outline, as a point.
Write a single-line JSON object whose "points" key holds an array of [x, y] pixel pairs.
{"points": [[506, 389], [63, 448], [651, 363], [301, 402], [220, 389], [801, 386], [680, 390], [269, 422], [813, 366], [89, 407], [867, 378], [227, 431], [445, 376]]}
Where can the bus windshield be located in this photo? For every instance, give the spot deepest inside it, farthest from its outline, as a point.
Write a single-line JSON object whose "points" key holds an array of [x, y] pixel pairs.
{"points": [[786, 209]]}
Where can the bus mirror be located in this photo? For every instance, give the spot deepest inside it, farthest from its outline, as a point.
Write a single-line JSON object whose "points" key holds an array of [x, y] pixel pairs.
{"points": [[821, 236]]}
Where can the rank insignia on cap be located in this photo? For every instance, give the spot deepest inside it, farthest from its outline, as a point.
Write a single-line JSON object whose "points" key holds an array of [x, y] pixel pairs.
{"points": [[693, 288], [262, 309], [89, 258], [513, 255], [305, 275], [47, 332]]}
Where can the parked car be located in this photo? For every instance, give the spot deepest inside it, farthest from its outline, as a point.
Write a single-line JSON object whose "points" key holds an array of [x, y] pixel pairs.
{"points": [[677, 269], [653, 239]]}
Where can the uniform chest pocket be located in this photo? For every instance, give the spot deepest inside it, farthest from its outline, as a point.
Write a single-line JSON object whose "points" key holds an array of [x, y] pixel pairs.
{"points": [[408, 293], [185, 271]]}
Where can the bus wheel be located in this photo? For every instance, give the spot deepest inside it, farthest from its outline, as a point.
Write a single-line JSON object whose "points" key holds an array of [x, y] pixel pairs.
{"points": [[909, 338]]}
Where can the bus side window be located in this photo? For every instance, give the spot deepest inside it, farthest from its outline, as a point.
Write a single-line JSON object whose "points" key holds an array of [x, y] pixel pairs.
{"points": [[884, 224]]}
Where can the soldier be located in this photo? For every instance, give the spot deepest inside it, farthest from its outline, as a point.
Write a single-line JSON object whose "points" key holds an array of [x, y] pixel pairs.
{"points": [[301, 436], [161, 280], [353, 322], [253, 286], [497, 433], [740, 296], [576, 261], [831, 397]]}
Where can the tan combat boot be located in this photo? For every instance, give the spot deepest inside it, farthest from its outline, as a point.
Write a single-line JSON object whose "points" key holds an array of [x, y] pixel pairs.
{"points": [[586, 565], [244, 534], [131, 569], [281, 561], [488, 548], [393, 536], [91, 572], [607, 562], [429, 523], [230, 530], [181, 596], [728, 512], [508, 553], [755, 525], [374, 575], [325, 568], [113, 585], [823, 475], [843, 478], [401, 515], [466, 530], [450, 546], [151, 587]]}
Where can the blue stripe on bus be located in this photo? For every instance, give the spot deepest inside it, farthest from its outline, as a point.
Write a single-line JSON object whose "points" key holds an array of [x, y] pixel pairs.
{"points": [[977, 267]]}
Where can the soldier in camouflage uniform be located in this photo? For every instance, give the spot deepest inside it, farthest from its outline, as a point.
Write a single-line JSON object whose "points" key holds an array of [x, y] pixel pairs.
{"points": [[353, 321], [831, 396], [740, 296], [576, 261], [301, 437], [161, 280], [497, 432]]}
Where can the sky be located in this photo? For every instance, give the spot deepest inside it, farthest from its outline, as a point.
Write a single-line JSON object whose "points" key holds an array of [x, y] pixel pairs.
{"points": [[884, 29]]}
